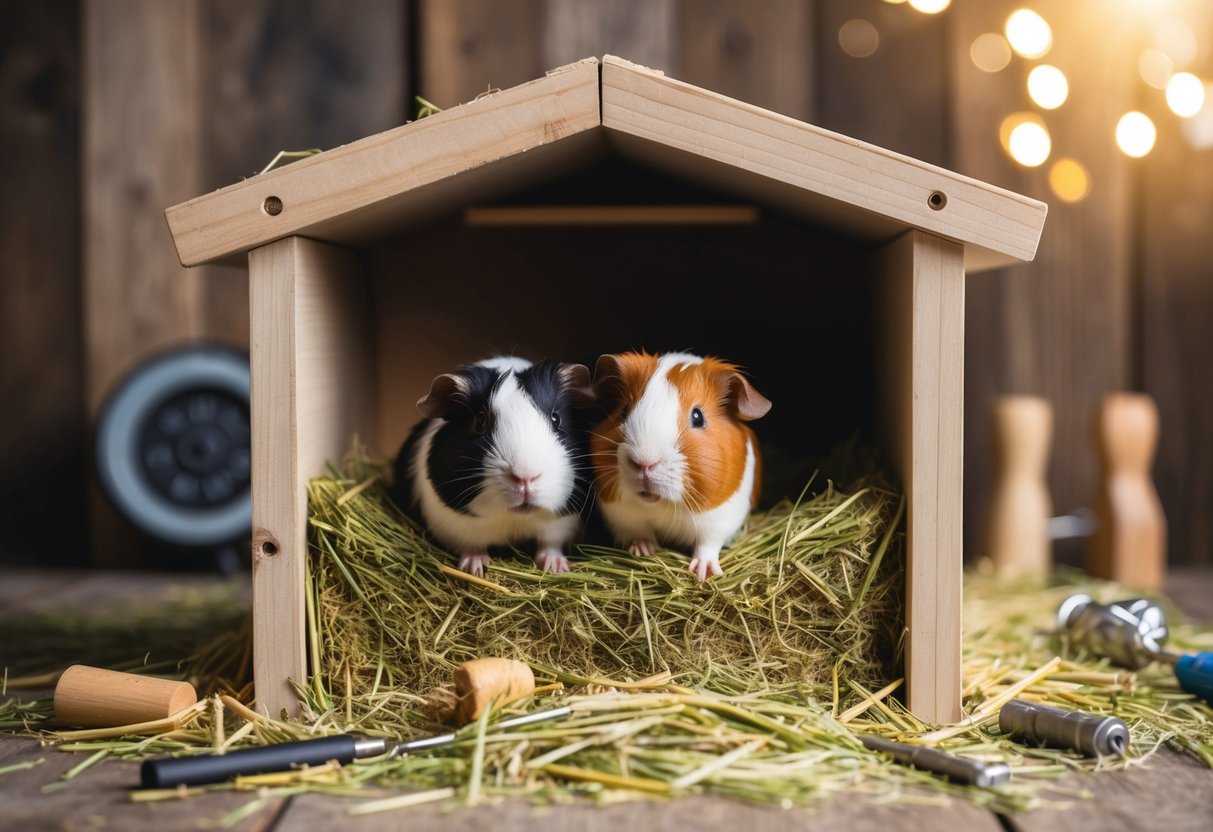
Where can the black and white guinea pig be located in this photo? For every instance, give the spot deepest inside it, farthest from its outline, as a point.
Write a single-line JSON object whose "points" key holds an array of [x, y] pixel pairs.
{"points": [[500, 459], [673, 460]]}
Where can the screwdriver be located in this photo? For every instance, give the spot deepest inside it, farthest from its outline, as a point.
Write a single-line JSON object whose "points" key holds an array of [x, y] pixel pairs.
{"points": [[1131, 633], [170, 772], [972, 772]]}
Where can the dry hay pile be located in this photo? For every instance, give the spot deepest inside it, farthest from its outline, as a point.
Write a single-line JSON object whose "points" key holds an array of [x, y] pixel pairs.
{"points": [[811, 597]]}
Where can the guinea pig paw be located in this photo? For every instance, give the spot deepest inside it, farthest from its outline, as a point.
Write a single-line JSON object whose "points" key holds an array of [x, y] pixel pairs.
{"points": [[474, 564], [705, 567], [552, 560], [643, 548]]}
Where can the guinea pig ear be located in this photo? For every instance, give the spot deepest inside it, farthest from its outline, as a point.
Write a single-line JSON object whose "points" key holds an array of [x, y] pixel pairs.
{"points": [[608, 379], [575, 379], [748, 403], [445, 395]]}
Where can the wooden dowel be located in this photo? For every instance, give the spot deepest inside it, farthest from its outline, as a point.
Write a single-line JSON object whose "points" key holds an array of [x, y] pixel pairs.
{"points": [[95, 698], [1017, 526], [1130, 542], [480, 681]]}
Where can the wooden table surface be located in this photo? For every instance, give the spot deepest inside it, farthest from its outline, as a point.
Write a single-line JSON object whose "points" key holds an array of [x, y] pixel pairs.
{"points": [[1171, 791]]}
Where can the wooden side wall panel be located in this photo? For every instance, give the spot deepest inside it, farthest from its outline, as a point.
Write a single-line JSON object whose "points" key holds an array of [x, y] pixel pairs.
{"points": [[311, 368], [921, 285]]}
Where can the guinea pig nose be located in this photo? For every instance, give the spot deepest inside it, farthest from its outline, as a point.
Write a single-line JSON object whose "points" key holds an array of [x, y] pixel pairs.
{"points": [[523, 480], [643, 465]]}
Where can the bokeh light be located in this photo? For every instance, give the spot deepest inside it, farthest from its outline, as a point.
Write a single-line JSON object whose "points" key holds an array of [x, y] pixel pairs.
{"points": [[1198, 130], [1135, 134], [1025, 139], [1176, 38], [990, 52], [1185, 94], [1069, 180], [930, 6], [1048, 87], [1028, 33], [858, 38], [1155, 68]]}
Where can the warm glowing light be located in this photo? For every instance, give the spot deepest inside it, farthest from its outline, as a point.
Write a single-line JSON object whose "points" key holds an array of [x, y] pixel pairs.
{"points": [[1135, 134], [990, 52], [1069, 180], [1025, 139], [930, 6], [858, 38], [1048, 87], [1155, 68], [1177, 40], [1198, 129], [894, 2], [1028, 33], [1185, 94]]}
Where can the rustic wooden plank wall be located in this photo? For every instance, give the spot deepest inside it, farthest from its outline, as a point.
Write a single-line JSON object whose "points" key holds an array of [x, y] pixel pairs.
{"points": [[186, 97], [1175, 208], [43, 426]]}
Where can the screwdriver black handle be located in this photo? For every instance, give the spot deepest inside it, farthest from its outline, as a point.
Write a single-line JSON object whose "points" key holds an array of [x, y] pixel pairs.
{"points": [[170, 772]]}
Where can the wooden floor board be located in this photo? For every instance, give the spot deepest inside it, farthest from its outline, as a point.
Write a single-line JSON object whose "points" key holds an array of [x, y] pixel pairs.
{"points": [[97, 798]]}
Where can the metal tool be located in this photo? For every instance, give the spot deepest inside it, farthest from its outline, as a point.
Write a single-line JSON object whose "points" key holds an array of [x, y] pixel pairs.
{"points": [[972, 772], [1132, 634], [169, 772], [1089, 734]]}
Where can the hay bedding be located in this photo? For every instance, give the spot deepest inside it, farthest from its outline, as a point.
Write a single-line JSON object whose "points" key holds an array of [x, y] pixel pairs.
{"points": [[811, 592]]}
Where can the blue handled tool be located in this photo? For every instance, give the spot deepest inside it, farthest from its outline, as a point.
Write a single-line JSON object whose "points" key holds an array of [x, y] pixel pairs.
{"points": [[1132, 633]]}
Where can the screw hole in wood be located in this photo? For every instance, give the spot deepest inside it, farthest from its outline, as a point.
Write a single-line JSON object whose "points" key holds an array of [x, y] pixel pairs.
{"points": [[937, 200], [272, 206], [269, 548]]}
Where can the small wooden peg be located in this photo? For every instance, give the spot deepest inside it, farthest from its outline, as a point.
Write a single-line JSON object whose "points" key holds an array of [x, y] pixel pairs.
{"points": [[95, 698], [480, 681], [1017, 526], [1130, 543]]}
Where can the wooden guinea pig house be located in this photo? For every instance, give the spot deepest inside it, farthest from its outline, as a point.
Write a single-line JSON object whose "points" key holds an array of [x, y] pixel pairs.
{"points": [[600, 208]]}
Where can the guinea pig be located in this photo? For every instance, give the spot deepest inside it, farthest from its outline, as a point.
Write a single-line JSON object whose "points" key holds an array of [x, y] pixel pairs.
{"points": [[673, 461], [499, 459]]}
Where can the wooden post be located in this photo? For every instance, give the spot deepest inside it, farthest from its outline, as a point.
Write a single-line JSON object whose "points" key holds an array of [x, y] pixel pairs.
{"points": [[920, 294], [1130, 541], [311, 362], [1017, 525]]}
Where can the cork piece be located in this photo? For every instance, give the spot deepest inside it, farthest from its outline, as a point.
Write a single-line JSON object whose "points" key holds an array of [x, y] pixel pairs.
{"points": [[480, 681], [95, 698]]}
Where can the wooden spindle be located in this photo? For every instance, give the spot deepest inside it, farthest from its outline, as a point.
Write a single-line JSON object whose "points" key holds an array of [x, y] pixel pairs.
{"points": [[1017, 525], [1130, 543]]}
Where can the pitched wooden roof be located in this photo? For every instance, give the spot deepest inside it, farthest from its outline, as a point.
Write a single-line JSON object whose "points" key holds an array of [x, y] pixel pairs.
{"points": [[500, 143]]}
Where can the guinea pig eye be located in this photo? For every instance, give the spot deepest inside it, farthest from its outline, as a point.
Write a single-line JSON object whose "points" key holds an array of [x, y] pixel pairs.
{"points": [[555, 417], [697, 420], [623, 414], [480, 424]]}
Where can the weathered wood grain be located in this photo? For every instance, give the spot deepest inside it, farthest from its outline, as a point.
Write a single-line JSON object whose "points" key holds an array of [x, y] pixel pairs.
{"points": [[1056, 328], [641, 29], [469, 47], [766, 54], [1175, 293], [898, 97], [309, 812], [38, 799], [43, 428]]}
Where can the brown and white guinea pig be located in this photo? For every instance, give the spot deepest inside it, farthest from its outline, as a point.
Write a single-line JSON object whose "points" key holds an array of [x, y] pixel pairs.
{"points": [[673, 461], [500, 459]]}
